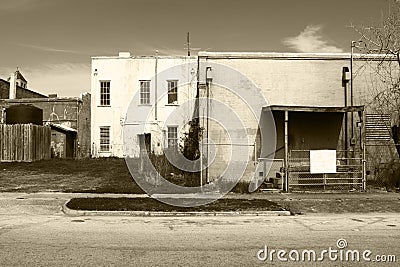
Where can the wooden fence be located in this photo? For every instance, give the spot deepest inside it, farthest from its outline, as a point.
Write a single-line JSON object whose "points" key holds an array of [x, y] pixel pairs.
{"points": [[24, 142]]}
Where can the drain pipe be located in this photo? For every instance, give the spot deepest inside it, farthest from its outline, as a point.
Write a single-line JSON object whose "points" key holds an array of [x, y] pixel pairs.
{"points": [[156, 87]]}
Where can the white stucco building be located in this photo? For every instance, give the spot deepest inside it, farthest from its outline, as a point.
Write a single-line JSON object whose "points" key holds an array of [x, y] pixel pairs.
{"points": [[120, 81]]}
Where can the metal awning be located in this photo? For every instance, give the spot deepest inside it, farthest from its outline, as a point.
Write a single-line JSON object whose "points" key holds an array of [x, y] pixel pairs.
{"points": [[62, 128], [313, 108]]}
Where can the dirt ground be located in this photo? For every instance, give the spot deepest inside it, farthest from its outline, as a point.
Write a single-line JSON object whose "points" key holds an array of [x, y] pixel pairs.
{"points": [[328, 202], [108, 175]]}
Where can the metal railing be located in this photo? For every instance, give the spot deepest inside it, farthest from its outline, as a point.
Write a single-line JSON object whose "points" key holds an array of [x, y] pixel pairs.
{"points": [[349, 172]]}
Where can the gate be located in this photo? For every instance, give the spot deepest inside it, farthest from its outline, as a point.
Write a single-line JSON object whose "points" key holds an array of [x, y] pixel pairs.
{"points": [[348, 176]]}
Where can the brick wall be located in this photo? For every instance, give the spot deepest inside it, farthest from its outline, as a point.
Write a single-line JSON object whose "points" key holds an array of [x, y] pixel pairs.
{"points": [[21, 92], [71, 112], [84, 144]]}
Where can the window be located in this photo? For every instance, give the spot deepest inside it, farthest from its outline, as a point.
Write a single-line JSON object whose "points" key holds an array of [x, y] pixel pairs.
{"points": [[104, 138], [105, 93], [172, 92], [172, 136], [144, 92]]}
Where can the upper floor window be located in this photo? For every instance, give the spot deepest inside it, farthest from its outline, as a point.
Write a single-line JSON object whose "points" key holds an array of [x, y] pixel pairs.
{"points": [[105, 93], [173, 92], [144, 92]]}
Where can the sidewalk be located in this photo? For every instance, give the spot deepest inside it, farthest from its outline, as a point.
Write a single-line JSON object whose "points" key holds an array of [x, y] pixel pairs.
{"points": [[297, 203]]}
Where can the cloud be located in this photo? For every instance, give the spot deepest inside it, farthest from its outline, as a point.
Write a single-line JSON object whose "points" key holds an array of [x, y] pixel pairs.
{"points": [[48, 49], [310, 40]]}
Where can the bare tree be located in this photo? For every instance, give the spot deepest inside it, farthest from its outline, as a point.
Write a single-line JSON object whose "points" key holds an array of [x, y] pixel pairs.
{"points": [[383, 42], [379, 46]]}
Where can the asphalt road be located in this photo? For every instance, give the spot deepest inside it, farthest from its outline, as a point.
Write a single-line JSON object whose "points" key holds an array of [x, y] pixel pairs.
{"points": [[34, 232]]}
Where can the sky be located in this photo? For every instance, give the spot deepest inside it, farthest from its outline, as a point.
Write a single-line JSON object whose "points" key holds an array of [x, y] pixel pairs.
{"points": [[52, 41]]}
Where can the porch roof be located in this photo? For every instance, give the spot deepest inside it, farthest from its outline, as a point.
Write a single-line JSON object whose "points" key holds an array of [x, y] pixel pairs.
{"points": [[313, 108]]}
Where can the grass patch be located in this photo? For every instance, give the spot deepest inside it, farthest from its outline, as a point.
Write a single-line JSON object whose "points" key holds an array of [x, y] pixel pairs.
{"points": [[104, 175], [97, 175], [150, 204]]}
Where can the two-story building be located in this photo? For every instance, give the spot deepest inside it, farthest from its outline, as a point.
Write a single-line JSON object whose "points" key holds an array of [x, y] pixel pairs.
{"points": [[125, 86]]}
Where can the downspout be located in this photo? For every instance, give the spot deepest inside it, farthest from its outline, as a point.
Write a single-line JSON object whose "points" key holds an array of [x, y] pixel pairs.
{"points": [[197, 107]]}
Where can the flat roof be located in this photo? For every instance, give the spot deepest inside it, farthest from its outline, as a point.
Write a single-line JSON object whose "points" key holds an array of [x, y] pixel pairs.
{"points": [[258, 55], [289, 55], [313, 108], [146, 56]]}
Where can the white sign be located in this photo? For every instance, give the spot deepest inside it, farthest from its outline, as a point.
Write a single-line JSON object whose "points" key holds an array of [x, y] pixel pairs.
{"points": [[323, 161]]}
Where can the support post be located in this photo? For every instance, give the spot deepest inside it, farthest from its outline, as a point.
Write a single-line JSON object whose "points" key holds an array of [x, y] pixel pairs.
{"points": [[286, 151], [346, 136], [363, 147]]}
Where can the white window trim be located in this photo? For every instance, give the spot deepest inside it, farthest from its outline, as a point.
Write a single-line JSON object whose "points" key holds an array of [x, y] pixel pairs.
{"points": [[140, 92], [100, 94], [109, 139], [175, 103]]}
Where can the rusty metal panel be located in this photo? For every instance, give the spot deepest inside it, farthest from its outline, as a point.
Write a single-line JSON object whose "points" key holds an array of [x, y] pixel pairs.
{"points": [[377, 128]]}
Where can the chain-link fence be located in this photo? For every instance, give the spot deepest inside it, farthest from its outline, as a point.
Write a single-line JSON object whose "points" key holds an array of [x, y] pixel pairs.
{"points": [[348, 174], [384, 175]]}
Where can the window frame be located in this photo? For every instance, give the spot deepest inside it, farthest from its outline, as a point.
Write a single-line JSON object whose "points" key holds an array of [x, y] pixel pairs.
{"points": [[144, 95], [105, 96], [172, 93], [104, 147], [172, 141]]}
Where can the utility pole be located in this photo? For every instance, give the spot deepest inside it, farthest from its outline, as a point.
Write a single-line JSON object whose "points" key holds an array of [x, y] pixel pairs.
{"points": [[208, 115], [188, 44]]}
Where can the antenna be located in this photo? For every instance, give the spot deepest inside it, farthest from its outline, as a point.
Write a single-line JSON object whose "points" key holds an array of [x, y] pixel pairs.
{"points": [[188, 43]]}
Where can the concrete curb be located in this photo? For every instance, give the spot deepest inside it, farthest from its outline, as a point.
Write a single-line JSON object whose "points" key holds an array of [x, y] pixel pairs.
{"points": [[71, 212]]}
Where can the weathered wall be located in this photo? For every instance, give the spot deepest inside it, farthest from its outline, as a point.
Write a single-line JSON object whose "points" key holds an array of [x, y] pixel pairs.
{"points": [[288, 80], [68, 111]]}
